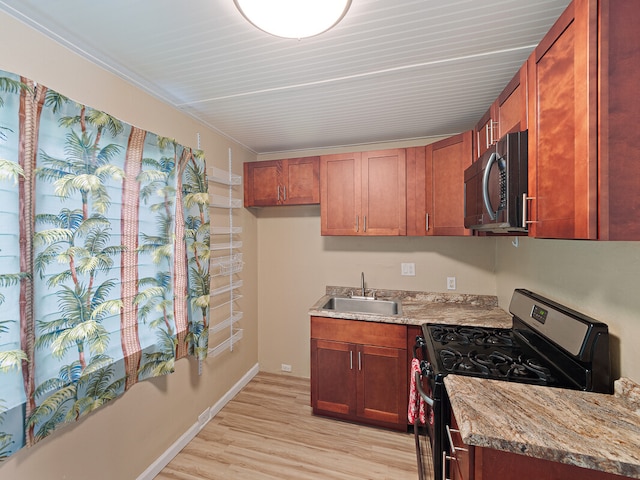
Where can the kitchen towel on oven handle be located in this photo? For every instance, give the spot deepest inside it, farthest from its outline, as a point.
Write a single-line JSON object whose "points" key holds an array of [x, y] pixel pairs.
{"points": [[416, 402]]}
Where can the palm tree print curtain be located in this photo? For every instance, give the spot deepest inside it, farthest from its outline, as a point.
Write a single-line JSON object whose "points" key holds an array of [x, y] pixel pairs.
{"points": [[104, 255]]}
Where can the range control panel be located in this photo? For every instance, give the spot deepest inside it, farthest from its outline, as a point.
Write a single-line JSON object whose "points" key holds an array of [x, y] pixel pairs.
{"points": [[540, 314]]}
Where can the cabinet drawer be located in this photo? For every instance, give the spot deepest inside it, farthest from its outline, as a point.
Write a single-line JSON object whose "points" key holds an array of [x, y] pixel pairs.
{"points": [[361, 332]]}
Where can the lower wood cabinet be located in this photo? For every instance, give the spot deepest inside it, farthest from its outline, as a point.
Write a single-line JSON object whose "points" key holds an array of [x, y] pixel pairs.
{"points": [[359, 371], [468, 462]]}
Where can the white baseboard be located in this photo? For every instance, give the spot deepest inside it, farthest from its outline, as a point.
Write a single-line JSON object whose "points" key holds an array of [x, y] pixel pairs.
{"points": [[156, 467]]}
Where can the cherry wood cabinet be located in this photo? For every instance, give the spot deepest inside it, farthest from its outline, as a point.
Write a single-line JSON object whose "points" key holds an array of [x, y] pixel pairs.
{"points": [[294, 181], [359, 371], [584, 151], [435, 186], [512, 104], [508, 113], [468, 462], [363, 193], [461, 458], [486, 130]]}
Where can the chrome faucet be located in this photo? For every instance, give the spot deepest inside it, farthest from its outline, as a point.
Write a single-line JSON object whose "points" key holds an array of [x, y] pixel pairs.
{"points": [[363, 294]]}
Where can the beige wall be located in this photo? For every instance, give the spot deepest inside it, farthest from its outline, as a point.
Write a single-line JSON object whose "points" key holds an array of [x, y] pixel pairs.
{"points": [[121, 440], [599, 279], [295, 264]]}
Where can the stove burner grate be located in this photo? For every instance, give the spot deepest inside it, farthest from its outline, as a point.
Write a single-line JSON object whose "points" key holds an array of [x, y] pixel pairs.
{"points": [[495, 364], [462, 335]]}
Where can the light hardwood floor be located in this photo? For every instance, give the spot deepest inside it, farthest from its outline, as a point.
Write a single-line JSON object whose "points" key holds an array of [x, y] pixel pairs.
{"points": [[268, 432]]}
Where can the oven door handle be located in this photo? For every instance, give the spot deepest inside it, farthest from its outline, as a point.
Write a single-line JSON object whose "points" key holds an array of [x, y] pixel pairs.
{"points": [[428, 400]]}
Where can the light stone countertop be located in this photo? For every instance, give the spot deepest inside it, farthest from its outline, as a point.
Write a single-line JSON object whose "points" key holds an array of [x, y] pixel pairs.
{"points": [[590, 430], [424, 307]]}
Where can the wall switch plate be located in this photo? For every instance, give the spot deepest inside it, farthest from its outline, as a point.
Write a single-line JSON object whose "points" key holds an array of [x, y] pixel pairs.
{"points": [[285, 368], [408, 269], [451, 283]]}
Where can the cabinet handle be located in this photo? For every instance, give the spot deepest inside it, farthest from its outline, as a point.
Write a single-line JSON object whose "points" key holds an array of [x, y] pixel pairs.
{"points": [[365, 223], [525, 199], [359, 361], [489, 128], [494, 127], [284, 189], [426, 222], [278, 192], [351, 359], [445, 457], [486, 134], [357, 223], [453, 447]]}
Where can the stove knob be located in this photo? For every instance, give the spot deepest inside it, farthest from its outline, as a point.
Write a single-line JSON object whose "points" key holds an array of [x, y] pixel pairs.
{"points": [[426, 368]]}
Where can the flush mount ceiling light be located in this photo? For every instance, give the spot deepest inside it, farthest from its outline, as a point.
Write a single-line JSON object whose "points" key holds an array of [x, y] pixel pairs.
{"points": [[293, 18]]}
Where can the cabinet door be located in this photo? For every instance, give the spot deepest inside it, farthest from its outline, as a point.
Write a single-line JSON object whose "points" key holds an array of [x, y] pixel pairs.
{"points": [[446, 161], [619, 115], [384, 193], [416, 191], [333, 374], [262, 183], [563, 88], [301, 181], [340, 194], [382, 385], [512, 104]]}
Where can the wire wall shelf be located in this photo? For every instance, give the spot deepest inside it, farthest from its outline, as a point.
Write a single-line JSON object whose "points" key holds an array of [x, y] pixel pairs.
{"points": [[226, 230], [223, 177], [227, 344], [225, 296], [234, 297], [218, 327], [226, 265], [220, 201], [225, 246]]}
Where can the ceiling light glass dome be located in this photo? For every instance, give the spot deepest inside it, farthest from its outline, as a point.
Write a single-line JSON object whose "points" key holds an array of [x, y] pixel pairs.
{"points": [[293, 18]]}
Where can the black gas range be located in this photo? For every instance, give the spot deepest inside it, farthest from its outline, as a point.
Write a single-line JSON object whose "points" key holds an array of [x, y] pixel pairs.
{"points": [[548, 344]]}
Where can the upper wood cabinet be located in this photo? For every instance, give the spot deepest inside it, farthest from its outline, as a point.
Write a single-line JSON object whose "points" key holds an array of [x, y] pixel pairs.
{"points": [[363, 193], [584, 151], [508, 113], [435, 186], [294, 181]]}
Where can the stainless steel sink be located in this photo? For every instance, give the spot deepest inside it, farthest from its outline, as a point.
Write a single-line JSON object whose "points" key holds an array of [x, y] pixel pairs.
{"points": [[364, 305]]}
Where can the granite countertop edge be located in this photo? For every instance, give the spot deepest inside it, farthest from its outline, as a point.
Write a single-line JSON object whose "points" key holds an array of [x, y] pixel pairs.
{"points": [[423, 307], [549, 423]]}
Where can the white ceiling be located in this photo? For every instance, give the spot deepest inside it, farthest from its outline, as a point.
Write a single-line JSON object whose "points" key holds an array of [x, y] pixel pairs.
{"points": [[391, 70]]}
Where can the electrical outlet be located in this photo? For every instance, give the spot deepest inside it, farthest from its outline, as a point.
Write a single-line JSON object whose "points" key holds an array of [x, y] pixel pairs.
{"points": [[451, 283], [408, 269], [285, 368]]}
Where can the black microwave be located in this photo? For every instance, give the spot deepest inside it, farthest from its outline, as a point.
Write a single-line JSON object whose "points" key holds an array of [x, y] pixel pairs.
{"points": [[495, 187]]}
